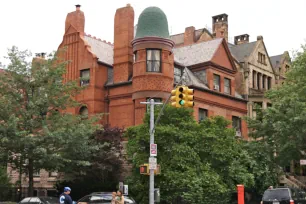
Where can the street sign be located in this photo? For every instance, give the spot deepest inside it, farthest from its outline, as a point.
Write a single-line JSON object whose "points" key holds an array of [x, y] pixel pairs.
{"points": [[156, 195], [125, 189], [153, 150], [152, 163], [302, 162]]}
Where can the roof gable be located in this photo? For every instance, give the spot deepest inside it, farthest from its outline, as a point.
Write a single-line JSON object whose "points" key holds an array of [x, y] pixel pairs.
{"points": [[223, 57], [103, 50], [241, 51], [261, 47], [197, 53]]}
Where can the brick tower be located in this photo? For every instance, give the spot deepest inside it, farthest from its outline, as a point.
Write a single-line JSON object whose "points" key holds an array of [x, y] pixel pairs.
{"points": [[153, 65]]}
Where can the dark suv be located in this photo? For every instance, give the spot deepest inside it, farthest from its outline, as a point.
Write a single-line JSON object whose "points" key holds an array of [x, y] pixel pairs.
{"points": [[284, 196], [102, 197]]}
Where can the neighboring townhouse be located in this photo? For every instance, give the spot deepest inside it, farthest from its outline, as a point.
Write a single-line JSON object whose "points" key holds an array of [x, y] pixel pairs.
{"points": [[281, 64]]}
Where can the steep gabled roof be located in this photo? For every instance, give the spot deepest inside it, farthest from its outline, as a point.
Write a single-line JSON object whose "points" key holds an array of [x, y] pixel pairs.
{"points": [[275, 60], [197, 53], [179, 38], [241, 51], [103, 50]]}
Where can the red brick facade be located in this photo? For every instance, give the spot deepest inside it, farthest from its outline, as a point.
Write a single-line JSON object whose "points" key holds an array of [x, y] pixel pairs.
{"points": [[117, 88]]}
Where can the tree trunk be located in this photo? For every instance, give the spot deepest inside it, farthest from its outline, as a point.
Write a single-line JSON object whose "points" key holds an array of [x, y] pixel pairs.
{"points": [[31, 183]]}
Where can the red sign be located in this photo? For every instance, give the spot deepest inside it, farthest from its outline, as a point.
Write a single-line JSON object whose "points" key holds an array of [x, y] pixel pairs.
{"points": [[153, 150]]}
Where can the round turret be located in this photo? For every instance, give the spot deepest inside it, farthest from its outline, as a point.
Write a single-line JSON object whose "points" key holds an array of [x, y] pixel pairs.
{"points": [[152, 22]]}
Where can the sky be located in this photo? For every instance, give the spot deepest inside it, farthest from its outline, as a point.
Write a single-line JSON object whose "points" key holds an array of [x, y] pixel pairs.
{"points": [[38, 25]]}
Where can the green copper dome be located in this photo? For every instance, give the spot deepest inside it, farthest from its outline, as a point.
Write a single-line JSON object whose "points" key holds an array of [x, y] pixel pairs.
{"points": [[152, 22]]}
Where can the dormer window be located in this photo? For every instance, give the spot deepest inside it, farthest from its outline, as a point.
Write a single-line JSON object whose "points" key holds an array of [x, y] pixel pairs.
{"points": [[153, 60], [227, 86]]}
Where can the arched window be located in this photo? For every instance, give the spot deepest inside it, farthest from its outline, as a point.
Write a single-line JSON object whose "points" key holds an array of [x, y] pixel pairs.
{"points": [[84, 111]]}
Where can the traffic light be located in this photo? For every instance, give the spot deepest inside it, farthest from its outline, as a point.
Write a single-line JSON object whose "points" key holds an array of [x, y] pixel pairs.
{"points": [[157, 171], [144, 169], [182, 96]]}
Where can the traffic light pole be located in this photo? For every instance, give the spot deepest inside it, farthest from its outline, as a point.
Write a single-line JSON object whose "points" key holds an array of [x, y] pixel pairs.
{"points": [[152, 104]]}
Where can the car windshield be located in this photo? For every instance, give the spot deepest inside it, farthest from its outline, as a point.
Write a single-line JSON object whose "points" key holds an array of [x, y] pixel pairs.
{"points": [[104, 198], [49, 200], [278, 194]]}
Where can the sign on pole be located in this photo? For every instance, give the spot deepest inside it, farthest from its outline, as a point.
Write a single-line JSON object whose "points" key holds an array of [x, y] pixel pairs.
{"points": [[153, 150], [153, 163], [125, 189], [302, 162]]}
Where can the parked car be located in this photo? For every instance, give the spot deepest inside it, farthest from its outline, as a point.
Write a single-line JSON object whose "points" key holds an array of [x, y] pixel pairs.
{"points": [[39, 200], [103, 197], [284, 196]]}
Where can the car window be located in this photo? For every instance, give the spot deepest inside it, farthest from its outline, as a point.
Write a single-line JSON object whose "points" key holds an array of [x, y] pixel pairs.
{"points": [[278, 194], [49, 200], [25, 200], [85, 199], [101, 199], [128, 200]]}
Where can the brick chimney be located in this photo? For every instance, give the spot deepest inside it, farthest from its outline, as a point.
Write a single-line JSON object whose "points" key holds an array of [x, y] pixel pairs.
{"points": [[189, 35], [220, 26], [76, 19], [241, 39], [123, 51]]}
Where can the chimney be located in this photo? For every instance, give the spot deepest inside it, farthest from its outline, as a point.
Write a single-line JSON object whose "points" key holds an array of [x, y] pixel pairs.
{"points": [[220, 26], [123, 51], [78, 7], [189, 35], [259, 37], [241, 39], [76, 19]]}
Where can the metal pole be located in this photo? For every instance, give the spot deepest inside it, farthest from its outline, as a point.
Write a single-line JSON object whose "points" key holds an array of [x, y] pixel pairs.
{"points": [[151, 199]]}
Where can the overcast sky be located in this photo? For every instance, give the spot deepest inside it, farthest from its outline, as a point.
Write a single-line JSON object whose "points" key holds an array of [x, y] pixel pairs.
{"points": [[38, 25]]}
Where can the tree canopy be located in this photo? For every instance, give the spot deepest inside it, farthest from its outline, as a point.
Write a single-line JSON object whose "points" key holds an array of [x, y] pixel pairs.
{"points": [[282, 126], [35, 130], [200, 162]]}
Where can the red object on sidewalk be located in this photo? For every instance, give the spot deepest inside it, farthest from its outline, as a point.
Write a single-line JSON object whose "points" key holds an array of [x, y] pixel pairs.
{"points": [[240, 190]]}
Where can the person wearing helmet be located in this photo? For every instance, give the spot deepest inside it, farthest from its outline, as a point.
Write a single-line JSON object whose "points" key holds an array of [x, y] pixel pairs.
{"points": [[65, 197]]}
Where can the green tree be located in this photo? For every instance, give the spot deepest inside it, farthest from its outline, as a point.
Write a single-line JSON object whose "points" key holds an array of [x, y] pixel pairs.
{"points": [[105, 170], [201, 163], [35, 132], [282, 126]]}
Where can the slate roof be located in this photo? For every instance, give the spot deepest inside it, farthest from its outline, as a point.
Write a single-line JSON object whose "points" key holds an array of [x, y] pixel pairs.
{"points": [[274, 59], [179, 38], [242, 50], [103, 50], [197, 53], [190, 79]]}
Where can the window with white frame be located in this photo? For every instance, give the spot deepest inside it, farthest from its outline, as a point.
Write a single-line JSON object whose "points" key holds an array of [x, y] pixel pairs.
{"points": [[216, 82], [85, 77], [236, 123], [153, 61], [227, 86], [203, 113]]}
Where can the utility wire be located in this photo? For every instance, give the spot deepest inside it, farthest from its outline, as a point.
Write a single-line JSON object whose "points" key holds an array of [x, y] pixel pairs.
{"points": [[161, 111]]}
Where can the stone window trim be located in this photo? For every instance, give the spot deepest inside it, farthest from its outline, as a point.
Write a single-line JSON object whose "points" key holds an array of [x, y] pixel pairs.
{"points": [[85, 77], [216, 85], [154, 65], [227, 86], [203, 114], [262, 58]]}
